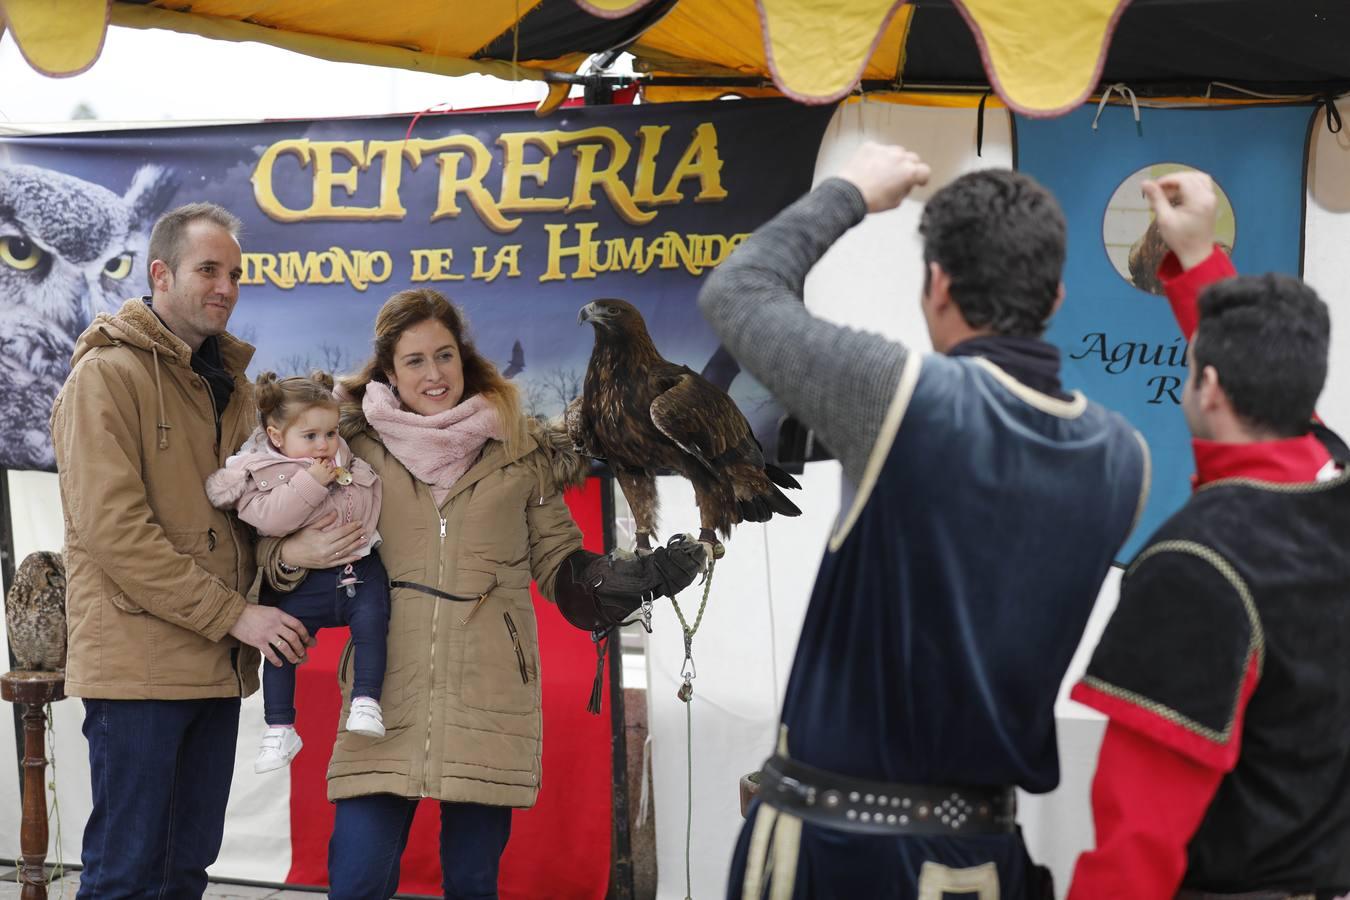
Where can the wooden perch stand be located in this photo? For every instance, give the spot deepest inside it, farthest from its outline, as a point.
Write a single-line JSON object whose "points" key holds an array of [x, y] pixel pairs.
{"points": [[32, 691]]}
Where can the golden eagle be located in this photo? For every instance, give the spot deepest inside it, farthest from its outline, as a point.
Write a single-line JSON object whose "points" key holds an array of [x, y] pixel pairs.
{"points": [[644, 414]]}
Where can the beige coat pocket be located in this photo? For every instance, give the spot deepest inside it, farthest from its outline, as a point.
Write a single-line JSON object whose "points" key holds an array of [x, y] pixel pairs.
{"points": [[500, 668]]}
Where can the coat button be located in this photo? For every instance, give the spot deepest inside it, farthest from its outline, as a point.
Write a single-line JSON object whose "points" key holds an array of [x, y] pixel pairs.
{"points": [[264, 484]]}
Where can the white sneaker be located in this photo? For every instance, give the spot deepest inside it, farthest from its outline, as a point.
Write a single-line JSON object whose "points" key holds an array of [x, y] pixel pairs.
{"points": [[366, 717], [278, 748]]}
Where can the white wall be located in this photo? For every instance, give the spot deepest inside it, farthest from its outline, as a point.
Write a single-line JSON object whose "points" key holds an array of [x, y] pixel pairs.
{"points": [[1326, 256], [257, 832]]}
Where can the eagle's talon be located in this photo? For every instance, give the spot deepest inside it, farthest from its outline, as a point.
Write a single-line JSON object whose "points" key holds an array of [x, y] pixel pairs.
{"points": [[708, 538], [712, 551]]}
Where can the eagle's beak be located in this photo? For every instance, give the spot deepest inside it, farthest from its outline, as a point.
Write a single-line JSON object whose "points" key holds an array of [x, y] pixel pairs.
{"points": [[585, 313]]}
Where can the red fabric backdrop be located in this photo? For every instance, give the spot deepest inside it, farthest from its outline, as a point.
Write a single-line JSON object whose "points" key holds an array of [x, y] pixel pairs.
{"points": [[561, 847]]}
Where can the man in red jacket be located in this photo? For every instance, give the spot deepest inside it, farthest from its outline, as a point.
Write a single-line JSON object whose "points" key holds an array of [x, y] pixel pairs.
{"points": [[1225, 768]]}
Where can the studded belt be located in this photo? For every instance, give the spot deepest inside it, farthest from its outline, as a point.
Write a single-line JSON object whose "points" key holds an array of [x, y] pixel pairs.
{"points": [[879, 807]]}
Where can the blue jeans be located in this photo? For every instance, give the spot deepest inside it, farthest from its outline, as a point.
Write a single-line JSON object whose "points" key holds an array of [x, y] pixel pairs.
{"points": [[370, 833], [320, 602], [161, 772]]}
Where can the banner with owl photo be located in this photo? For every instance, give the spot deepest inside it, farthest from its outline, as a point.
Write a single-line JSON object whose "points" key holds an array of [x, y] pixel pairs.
{"points": [[520, 220], [1120, 343]]}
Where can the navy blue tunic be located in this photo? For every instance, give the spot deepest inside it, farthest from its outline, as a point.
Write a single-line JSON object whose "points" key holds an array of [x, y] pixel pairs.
{"points": [[954, 594]]}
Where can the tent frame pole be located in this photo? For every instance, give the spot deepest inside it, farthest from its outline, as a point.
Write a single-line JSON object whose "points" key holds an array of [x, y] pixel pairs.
{"points": [[7, 572], [1198, 91], [621, 883]]}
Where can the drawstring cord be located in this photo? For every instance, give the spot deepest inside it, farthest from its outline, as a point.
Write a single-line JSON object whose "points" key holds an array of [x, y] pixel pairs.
{"points": [[163, 426], [1125, 94]]}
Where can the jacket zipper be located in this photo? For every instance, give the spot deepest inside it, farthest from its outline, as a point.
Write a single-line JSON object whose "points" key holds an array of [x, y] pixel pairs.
{"points": [[520, 654], [431, 667]]}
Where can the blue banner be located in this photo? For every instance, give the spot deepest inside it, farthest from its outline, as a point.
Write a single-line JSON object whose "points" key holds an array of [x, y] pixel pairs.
{"points": [[1120, 342], [520, 220]]}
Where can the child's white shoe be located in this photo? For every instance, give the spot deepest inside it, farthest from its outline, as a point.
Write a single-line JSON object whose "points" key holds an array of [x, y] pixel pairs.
{"points": [[278, 748], [366, 717]]}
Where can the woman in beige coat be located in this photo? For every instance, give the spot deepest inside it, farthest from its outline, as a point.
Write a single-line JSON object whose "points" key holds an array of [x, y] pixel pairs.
{"points": [[472, 513]]}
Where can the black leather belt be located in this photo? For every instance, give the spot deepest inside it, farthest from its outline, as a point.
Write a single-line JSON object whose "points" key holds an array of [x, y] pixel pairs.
{"points": [[880, 807], [434, 592]]}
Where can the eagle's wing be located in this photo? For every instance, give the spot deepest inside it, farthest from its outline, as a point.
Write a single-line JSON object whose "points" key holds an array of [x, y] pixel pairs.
{"points": [[703, 421]]}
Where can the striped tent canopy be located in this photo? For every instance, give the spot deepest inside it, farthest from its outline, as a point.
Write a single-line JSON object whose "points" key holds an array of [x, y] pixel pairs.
{"points": [[1042, 57]]}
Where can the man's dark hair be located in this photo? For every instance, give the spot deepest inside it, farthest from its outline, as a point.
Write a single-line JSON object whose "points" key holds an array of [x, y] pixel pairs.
{"points": [[1000, 236], [1267, 337]]}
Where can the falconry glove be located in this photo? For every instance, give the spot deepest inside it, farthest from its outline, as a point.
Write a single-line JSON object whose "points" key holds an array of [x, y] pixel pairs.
{"points": [[596, 593]]}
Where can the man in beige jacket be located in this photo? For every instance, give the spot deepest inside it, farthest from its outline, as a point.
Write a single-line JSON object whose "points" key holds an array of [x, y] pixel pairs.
{"points": [[162, 641]]}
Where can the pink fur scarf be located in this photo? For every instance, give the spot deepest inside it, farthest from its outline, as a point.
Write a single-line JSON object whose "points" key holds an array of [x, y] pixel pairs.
{"points": [[436, 449]]}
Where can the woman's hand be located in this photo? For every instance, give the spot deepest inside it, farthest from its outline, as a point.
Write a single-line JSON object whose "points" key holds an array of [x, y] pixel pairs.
{"points": [[597, 592], [324, 544]]}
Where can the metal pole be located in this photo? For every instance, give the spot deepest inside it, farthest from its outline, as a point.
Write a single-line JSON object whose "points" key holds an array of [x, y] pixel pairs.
{"points": [[7, 572], [621, 884]]}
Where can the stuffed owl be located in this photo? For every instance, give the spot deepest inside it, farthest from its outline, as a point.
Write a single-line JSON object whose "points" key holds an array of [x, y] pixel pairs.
{"points": [[35, 612]]}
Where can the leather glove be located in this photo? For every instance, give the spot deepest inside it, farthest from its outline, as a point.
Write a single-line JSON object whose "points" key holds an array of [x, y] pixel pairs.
{"points": [[598, 592]]}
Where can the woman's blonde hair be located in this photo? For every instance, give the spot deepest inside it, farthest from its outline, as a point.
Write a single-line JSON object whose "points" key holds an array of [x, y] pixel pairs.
{"points": [[281, 400], [410, 308]]}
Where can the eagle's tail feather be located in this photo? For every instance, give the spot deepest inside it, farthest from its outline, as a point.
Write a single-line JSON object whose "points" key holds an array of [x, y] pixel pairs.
{"points": [[780, 503], [781, 478], [762, 507]]}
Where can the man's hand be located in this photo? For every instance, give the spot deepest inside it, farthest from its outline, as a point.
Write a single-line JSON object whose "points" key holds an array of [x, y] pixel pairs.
{"points": [[321, 546], [273, 632], [884, 174], [1185, 207]]}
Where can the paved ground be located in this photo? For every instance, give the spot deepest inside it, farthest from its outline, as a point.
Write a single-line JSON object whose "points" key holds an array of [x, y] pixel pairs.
{"points": [[65, 890]]}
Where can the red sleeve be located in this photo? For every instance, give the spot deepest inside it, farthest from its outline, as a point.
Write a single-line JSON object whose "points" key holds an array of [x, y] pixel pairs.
{"points": [[1148, 798], [1183, 286], [1147, 801]]}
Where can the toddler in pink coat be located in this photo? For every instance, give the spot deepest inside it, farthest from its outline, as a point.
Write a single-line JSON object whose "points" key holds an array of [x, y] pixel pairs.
{"points": [[293, 471]]}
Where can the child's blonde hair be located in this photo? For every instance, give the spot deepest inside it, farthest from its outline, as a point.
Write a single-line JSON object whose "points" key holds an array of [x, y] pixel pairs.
{"points": [[282, 400]]}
